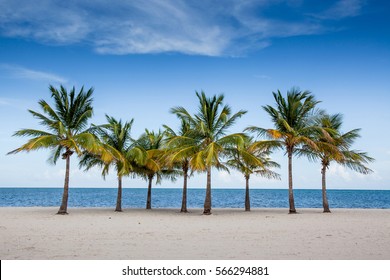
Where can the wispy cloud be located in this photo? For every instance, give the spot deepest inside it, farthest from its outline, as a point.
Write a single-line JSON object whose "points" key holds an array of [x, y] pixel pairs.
{"points": [[4, 102], [20, 72], [211, 28], [263, 77], [339, 171], [342, 9]]}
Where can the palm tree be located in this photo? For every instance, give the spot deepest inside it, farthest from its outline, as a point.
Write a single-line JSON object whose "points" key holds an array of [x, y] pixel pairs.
{"points": [[153, 144], [250, 157], [336, 148], [66, 132], [210, 123], [116, 139], [181, 148], [293, 127]]}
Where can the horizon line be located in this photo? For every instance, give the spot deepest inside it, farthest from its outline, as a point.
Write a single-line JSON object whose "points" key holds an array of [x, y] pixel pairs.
{"points": [[216, 188]]}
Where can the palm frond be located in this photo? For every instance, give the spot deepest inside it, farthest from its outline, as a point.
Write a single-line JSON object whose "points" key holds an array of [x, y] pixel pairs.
{"points": [[37, 143], [55, 155], [31, 133], [251, 156]]}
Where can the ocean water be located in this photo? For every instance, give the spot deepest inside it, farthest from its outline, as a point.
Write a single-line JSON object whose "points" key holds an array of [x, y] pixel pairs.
{"points": [[171, 198]]}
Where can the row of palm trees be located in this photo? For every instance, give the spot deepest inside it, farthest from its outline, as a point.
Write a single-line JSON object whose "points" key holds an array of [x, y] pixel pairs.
{"points": [[200, 144]]}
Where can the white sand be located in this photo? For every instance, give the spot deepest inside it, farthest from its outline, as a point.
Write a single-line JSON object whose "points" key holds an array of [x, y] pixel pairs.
{"points": [[37, 233]]}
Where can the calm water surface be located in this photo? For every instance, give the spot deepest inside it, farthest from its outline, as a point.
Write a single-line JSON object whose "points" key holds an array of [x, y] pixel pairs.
{"points": [[171, 198]]}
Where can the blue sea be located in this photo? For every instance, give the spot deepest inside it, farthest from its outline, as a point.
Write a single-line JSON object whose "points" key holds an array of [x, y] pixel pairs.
{"points": [[171, 198]]}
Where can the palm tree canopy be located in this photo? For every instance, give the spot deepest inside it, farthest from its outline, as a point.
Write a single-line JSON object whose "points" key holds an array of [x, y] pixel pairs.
{"points": [[292, 118], [252, 157], [292, 113], [154, 145], [338, 147], [181, 145], [212, 121], [115, 138], [210, 124], [66, 124]]}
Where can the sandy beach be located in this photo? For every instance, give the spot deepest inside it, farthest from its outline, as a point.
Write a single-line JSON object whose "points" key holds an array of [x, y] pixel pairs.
{"points": [[100, 233]]}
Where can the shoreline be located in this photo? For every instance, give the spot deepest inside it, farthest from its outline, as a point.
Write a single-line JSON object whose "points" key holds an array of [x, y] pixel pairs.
{"points": [[231, 233]]}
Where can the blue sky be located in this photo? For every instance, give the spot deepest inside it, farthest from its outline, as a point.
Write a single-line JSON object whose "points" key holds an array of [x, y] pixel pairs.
{"points": [[144, 57]]}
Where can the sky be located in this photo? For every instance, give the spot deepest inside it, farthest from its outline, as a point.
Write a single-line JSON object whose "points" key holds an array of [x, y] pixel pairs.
{"points": [[144, 57]]}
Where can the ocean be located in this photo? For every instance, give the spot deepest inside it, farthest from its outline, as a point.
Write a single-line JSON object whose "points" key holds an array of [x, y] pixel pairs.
{"points": [[171, 198]]}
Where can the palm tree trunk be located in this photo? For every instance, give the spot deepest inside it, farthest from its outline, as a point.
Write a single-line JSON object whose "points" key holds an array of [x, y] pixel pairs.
{"points": [[149, 198], [184, 199], [290, 183], [207, 201], [247, 199], [64, 204], [119, 197], [324, 196]]}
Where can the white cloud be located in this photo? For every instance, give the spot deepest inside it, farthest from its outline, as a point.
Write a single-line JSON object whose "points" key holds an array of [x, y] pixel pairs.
{"points": [[369, 177], [342, 9], [154, 26], [20, 72], [336, 170], [44, 20], [235, 179]]}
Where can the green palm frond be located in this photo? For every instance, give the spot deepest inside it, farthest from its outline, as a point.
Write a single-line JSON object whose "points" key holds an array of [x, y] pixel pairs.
{"points": [[333, 145], [206, 138], [65, 122], [55, 155], [228, 122], [182, 153], [211, 153], [115, 148], [292, 118], [252, 157], [155, 164], [266, 146], [136, 154], [356, 160], [47, 109], [31, 133], [37, 143], [52, 124], [197, 162], [89, 161], [236, 138], [350, 137], [184, 115], [268, 174]]}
